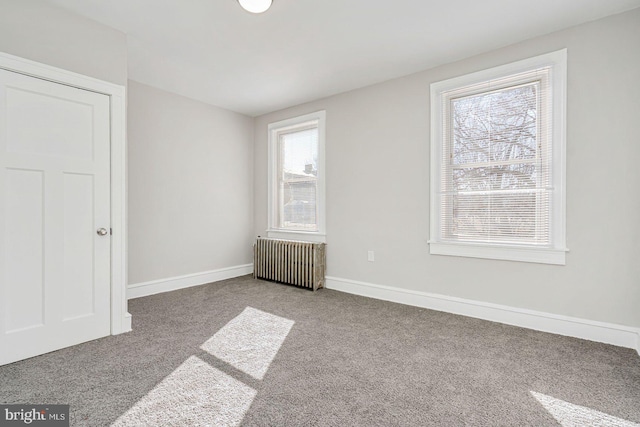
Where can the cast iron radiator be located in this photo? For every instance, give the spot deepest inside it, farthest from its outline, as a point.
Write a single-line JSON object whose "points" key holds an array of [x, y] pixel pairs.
{"points": [[288, 261]]}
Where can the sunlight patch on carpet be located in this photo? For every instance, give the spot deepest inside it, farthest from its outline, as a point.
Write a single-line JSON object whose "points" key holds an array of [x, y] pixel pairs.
{"points": [[570, 415], [195, 394], [250, 341]]}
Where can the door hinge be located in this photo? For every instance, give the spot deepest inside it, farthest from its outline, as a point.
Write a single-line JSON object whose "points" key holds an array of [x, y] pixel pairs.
{"points": [[111, 231]]}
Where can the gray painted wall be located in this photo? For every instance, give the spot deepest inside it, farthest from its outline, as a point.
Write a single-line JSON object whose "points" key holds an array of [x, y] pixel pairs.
{"points": [[190, 186], [377, 152], [190, 171], [44, 33]]}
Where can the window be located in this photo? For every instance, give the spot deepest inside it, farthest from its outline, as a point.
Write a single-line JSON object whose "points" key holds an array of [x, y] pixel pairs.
{"points": [[296, 178], [498, 162]]}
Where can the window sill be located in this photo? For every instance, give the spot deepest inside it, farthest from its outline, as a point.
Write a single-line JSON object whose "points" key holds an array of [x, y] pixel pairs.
{"points": [[501, 252], [305, 236]]}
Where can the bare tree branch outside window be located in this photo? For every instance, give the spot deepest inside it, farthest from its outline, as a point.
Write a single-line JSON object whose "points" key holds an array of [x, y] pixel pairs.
{"points": [[495, 161]]}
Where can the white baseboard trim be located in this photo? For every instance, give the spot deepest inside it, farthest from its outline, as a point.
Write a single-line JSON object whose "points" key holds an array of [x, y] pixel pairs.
{"points": [[153, 287], [609, 333]]}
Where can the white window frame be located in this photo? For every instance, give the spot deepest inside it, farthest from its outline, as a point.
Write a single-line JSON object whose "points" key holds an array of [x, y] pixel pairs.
{"points": [[556, 252], [273, 231]]}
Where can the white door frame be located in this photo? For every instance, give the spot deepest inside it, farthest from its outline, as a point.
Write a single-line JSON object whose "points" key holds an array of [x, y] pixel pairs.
{"points": [[120, 318]]}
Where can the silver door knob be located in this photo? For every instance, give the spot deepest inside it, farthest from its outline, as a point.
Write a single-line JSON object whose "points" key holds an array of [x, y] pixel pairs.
{"points": [[102, 231]]}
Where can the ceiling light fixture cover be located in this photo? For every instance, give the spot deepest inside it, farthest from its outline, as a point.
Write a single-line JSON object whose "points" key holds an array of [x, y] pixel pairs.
{"points": [[255, 6]]}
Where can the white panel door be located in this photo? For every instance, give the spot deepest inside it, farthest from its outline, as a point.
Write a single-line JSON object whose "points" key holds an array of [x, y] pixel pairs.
{"points": [[54, 196]]}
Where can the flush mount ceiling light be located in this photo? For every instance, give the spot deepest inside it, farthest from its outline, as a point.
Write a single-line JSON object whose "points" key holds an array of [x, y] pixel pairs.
{"points": [[255, 6]]}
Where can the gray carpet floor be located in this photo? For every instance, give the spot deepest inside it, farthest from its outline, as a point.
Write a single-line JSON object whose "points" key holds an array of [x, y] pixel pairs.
{"points": [[346, 361]]}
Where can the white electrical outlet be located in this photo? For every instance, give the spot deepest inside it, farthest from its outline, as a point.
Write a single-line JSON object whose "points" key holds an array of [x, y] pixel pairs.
{"points": [[370, 256]]}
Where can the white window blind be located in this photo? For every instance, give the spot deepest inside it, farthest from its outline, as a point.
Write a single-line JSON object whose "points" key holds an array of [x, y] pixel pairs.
{"points": [[496, 184], [498, 162]]}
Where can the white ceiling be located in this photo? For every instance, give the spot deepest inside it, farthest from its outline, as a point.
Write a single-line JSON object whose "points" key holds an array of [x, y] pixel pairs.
{"points": [[301, 50]]}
